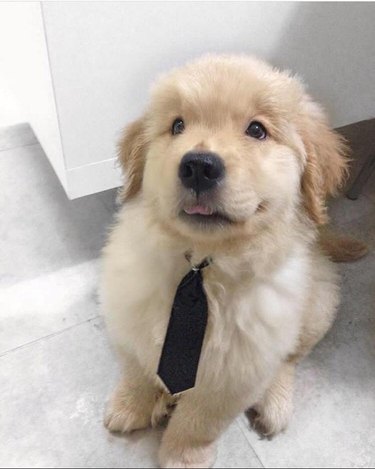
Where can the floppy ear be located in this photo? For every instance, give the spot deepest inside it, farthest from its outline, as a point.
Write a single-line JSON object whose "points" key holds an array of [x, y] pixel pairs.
{"points": [[326, 161], [131, 154]]}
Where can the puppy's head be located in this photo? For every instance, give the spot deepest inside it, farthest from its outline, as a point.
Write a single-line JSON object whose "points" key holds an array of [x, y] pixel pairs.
{"points": [[229, 144]]}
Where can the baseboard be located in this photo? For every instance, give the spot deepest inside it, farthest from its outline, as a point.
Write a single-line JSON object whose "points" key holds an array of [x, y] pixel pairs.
{"points": [[92, 178]]}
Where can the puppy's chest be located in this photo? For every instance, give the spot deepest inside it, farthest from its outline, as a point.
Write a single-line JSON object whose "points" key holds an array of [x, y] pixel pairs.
{"points": [[247, 319]]}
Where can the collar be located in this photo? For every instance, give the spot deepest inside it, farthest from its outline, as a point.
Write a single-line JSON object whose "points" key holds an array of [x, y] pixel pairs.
{"points": [[196, 267]]}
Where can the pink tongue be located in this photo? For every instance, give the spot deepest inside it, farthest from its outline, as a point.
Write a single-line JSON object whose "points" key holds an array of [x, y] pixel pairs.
{"points": [[201, 209]]}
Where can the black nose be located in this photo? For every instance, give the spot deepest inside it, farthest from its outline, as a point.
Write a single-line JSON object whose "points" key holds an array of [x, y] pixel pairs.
{"points": [[201, 171]]}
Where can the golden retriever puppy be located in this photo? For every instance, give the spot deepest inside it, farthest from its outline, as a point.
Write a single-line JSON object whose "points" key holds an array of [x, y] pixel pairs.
{"points": [[232, 161]]}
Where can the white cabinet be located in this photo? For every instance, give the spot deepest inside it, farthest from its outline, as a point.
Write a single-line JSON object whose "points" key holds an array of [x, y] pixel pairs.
{"points": [[83, 69]]}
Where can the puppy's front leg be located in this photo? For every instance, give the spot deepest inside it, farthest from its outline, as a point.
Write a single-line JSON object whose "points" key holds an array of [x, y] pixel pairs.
{"points": [[274, 410], [189, 440], [133, 401]]}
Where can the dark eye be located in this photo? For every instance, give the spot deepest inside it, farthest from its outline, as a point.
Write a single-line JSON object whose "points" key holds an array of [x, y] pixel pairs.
{"points": [[178, 126], [256, 130]]}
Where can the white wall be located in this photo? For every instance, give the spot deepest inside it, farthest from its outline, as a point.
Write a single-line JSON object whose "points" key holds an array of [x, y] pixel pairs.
{"points": [[25, 73], [11, 111], [105, 55], [332, 46]]}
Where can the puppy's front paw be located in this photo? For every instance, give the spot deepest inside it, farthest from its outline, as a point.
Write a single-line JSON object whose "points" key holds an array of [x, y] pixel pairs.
{"points": [[270, 417], [199, 457], [126, 413], [272, 414]]}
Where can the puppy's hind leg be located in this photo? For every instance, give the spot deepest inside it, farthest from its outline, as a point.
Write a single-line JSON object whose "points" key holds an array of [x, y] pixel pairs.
{"points": [[272, 413], [133, 401]]}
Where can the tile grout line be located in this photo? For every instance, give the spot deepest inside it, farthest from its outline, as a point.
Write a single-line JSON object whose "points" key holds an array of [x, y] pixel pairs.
{"points": [[41, 275], [248, 442], [48, 336], [20, 146]]}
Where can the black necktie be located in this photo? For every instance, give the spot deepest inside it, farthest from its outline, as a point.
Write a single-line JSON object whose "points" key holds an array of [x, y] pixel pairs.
{"points": [[179, 359]]}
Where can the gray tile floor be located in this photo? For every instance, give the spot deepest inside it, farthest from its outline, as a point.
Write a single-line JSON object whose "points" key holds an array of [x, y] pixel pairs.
{"points": [[57, 368]]}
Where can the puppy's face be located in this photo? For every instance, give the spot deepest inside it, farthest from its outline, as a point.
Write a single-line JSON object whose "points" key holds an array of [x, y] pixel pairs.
{"points": [[221, 149]]}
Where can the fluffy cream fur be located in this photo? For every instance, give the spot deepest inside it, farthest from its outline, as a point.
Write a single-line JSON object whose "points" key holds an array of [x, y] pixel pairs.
{"points": [[272, 295]]}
